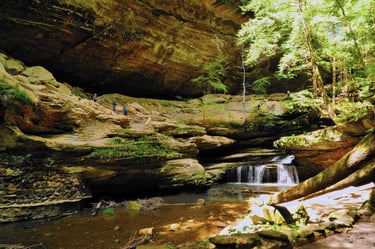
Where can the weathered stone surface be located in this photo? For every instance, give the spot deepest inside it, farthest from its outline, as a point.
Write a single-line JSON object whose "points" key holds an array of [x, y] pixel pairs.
{"points": [[139, 48], [183, 172], [29, 192], [322, 148], [154, 148], [179, 130], [207, 142]]}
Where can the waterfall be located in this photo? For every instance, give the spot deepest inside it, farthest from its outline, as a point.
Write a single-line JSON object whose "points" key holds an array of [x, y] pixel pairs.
{"points": [[287, 174], [279, 171]]}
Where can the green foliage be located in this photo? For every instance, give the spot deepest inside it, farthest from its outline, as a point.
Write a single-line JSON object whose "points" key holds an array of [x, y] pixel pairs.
{"points": [[14, 92], [106, 153], [308, 139], [342, 30], [298, 140], [211, 78], [302, 102], [260, 85], [275, 227], [147, 146], [349, 111], [200, 178], [109, 211]]}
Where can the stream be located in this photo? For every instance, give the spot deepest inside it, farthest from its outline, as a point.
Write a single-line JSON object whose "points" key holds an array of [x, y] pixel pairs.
{"points": [[179, 220], [190, 222], [82, 230]]}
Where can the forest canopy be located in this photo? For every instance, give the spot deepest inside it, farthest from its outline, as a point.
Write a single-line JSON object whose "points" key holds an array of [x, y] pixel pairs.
{"points": [[333, 38]]}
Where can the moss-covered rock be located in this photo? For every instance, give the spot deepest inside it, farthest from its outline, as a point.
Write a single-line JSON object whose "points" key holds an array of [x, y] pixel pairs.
{"points": [[133, 206], [236, 241]]}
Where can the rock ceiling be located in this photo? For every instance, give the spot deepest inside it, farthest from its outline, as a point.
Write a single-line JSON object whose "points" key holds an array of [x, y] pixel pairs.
{"points": [[140, 48]]}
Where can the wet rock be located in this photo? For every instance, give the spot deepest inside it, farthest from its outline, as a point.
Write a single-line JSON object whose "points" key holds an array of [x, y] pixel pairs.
{"points": [[207, 142], [236, 241], [264, 214], [273, 235], [174, 227], [149, 231], [343, 218], [151, 203], [201, 202]]}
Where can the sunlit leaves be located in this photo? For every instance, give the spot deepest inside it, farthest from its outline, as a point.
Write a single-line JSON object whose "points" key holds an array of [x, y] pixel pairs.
{"points": [[339, 29]]}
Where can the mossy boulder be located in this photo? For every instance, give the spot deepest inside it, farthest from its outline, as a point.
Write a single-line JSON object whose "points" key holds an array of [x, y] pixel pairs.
{"points": [[133, 206]]}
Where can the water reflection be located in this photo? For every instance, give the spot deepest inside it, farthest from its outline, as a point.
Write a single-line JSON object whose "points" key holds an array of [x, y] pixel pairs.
{"points": [[112, 232]]}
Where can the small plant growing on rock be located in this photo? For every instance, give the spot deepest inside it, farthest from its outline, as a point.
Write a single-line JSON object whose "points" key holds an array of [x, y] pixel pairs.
{"points": [[13, 92], [211, 80], [108, 212]]}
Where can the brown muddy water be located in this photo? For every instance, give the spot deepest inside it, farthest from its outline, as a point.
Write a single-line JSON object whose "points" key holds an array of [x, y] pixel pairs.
{"points": [[190, 222]]}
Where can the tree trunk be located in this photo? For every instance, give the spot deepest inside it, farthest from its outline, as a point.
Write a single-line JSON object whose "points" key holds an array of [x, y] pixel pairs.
{"points": [[316, 76], [333, 80], [352, 34], [243, 85], [361, 176], [361, 155]]}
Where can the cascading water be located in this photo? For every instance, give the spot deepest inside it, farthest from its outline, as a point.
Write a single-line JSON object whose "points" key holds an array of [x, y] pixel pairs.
{"points": [[278, 171]]}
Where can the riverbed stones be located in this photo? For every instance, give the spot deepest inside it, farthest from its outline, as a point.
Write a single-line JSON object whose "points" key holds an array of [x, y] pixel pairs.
{"points": [[333, 218], [148, 231]]}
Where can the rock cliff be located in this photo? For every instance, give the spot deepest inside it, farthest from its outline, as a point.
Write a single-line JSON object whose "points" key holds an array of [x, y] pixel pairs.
{"points": [[139, 48], [53, 135], [58, 146]]}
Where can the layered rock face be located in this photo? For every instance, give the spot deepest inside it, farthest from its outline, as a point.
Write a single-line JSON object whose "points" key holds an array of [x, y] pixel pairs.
{"points": [[54, 136], [140, 48]]}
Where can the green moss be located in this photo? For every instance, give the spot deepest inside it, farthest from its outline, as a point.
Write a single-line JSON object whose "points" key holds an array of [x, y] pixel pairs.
{"points": [[116, 140], [133, 206], [197, 179], [14, 92], [261, 121], [108, 212], [147, 146]]}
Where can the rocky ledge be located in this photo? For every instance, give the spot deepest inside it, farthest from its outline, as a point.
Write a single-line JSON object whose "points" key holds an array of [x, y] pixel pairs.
{"points": [[52, 132]]}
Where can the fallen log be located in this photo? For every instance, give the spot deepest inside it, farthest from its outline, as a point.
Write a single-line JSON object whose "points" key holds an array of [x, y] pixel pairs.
{"points": [[355, 159], [362, 176]]}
